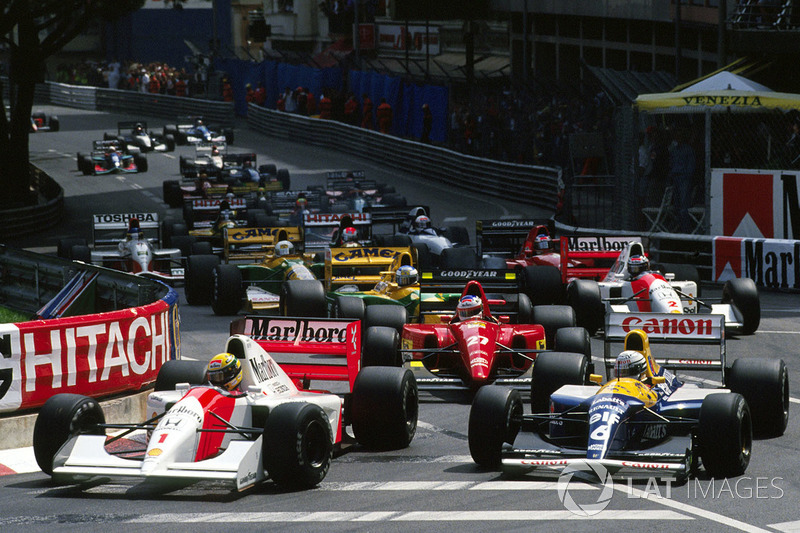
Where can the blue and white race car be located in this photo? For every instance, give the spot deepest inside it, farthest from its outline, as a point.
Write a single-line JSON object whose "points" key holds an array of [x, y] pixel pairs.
{"points": [[192, 130]]}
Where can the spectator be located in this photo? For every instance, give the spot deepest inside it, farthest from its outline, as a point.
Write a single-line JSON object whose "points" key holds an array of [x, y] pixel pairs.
{"points": [[302, 101], [250, 94], [144, 80], [227, 90], [311, 102], [180, 87], [384, 114], [261, 94], [155, 84], [427, 123], [289, 101], [366, 112], [681, 174], [325, 107], [351, 110]]}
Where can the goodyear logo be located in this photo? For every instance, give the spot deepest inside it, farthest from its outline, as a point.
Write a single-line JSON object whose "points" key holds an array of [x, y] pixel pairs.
{"points": [[365, 253]]}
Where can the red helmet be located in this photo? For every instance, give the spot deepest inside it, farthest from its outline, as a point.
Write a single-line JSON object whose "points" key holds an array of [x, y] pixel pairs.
{"points": [[637, 264], [349, 234]]}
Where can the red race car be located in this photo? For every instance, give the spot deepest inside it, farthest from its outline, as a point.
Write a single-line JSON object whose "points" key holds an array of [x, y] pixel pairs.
{"points": [[475, 333]]}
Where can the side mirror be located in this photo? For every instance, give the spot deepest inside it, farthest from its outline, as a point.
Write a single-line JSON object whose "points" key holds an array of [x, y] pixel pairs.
{"points": [[596, 378]]}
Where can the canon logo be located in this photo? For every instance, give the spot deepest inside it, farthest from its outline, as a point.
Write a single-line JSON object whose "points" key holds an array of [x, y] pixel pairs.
{"points": [[669, 326]]}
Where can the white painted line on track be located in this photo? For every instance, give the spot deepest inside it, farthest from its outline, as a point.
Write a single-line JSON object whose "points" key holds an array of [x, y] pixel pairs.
{"points": [[450, 485], [714, 517], [404, 516], [168, 155], [779, 332], [136, 186], [787, 527]]}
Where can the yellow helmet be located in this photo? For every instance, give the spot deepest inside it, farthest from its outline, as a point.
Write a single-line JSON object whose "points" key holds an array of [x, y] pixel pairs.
{"points": [[225, 370]]}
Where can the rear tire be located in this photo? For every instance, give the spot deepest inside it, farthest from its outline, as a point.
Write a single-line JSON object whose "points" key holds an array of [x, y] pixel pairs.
{"points": [[385, 407], [62, 417], [553, 370], [348, 307], [543, 284], [198, 279], [173, 196], [725, 435], [284, 178], [764, 383], [458, 258], [742, 294], [583, 296], [177, 371], [297, 445], [458, 235], [493, 420], [393, 316], [226, 294], [553, 318], [574, 340], [65, 246], [380, 347], [303, 298]]}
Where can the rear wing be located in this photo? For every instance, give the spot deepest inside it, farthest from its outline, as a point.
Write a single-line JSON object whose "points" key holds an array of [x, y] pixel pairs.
{"points": [[252, 244], [283, 203], [362, 266], [504, 237], [307, 349], [102, 146], [396, 216], [204, 148], [345, 180], [598, 254], [321, 228], [239, 158], [128, 125], [440, 290], [670, 328], [110, 229]]}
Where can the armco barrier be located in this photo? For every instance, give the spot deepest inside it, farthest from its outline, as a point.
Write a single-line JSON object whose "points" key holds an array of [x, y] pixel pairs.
{"points": [[537, 186], [164, 106], [44, 215], [119, 348]]}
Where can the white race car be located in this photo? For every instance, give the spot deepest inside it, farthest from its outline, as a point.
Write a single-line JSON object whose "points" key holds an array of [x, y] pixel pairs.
{"points": [[272, 429]]}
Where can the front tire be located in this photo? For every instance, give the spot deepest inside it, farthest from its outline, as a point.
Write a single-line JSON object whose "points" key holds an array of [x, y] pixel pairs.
{"points": [[303, 298], [553, 370], [226, 294], [297, 445], [380, 347], [553, 318], [494, 419], [742, 294], [199, 278], [64, 416], [583, 295], [177, 371], [765, 386]]}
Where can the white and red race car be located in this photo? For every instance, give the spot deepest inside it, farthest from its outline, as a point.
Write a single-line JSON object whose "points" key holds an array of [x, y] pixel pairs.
{"points": [[271, 426], [659, 292]]}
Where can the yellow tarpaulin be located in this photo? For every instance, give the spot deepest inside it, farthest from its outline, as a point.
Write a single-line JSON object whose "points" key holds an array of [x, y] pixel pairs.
{"points": [[690, 102]]}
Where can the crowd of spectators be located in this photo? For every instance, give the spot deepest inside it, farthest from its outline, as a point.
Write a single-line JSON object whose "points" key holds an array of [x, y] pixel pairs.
{"points": [[146, 78]]}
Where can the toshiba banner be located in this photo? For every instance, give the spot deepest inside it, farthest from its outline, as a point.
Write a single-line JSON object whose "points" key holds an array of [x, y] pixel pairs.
{"points": [[95, 355], [755, 203], [773, 263]]}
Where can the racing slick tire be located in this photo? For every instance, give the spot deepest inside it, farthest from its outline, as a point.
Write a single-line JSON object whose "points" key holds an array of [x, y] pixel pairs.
{"points": [[725, 435], [61, 417], [283, 176], [86, 165], [458, 235], [385, 407], [348, 307], [259, 219], [201, 247], [493, 420], [199, 278], [169, 143], [188, 215], [551, 371], [296, 445], [170, 229], [400, 240], [303, 298], [543, 284], [177, 371], [574, 340], [458, 258], [109, 136], [55, 124], [81, 252], [394, 200], [228, 133], [184, 164], [423, 259], [141, 163], [553, 318], [524, 309], [64, 248], [380, 347], [226, 292], [270, 169], [764, 383], [185, 243], [583, 295], [173, 196], [80, 157], [742, 294], [393, 316]]}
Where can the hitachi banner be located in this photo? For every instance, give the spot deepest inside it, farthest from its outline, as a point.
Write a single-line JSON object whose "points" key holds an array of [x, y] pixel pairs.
{"points": [[772, 263], [755, 203], [94, 355]]}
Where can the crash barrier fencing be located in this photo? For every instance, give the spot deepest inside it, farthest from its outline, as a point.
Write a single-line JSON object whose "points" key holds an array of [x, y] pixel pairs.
{"points": [[46, 214], [125, 328], [77, 96], [164, 106], [771, 263], [532, 185]]}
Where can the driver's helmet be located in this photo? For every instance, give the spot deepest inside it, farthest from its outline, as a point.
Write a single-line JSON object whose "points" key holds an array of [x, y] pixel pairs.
{"points": [[225, 371], [138, 128], [301, 203], [198, 122], [630, 364], [469, 306], [406, 275], [230, 197], [349, 234], [541, 243], [214, 151], [134, 233], [422, 223], [637, 264], [284, 248]]}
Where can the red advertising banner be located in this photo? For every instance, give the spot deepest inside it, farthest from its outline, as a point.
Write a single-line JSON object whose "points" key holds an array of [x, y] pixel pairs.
{"points": [[94, 355], [366, 36]]}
